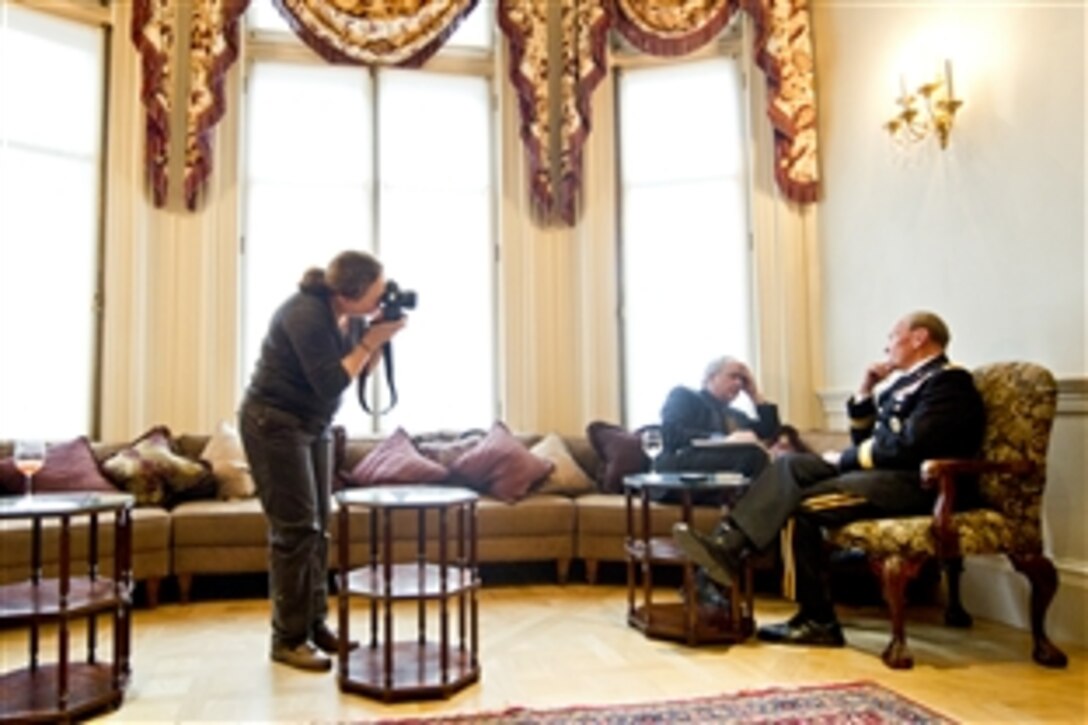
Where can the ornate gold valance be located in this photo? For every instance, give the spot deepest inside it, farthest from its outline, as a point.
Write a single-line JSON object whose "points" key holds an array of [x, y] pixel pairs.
{"points": [[672, 28], [385, 32]]}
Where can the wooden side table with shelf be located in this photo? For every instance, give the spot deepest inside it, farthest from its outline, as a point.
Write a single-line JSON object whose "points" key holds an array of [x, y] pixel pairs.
{"points": [[683, 620], [65, 689], [442, 576]]}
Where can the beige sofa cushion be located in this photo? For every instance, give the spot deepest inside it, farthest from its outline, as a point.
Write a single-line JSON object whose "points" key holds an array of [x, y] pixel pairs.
{"points": [[602, 523], [150, 546]]}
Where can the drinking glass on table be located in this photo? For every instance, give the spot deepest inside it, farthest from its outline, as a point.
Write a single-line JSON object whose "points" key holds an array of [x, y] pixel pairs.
{"points": [[652, 445], [29, 458]]}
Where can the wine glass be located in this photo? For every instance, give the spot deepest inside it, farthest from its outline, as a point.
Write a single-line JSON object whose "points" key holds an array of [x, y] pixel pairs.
{"points": [[29, 458], [652, 445]]}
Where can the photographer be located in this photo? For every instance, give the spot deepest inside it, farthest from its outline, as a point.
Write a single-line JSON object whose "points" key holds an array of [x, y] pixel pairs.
{"points": [[309, 356]]}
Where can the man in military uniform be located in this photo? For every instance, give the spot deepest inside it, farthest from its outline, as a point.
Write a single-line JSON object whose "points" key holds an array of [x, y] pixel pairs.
{"points": [[931, 410]]}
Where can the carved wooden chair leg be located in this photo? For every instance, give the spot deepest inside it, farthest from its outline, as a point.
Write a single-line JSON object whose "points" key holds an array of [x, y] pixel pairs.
{"points": [[895, 573], [1044, 584], [954, 614]]}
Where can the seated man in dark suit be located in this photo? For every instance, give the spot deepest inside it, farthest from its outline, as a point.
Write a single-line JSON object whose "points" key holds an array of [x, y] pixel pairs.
{"points": [[931, 410], [690, 415]]}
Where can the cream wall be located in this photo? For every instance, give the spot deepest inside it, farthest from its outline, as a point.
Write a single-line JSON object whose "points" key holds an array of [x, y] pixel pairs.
{"points": [[990, 232]]}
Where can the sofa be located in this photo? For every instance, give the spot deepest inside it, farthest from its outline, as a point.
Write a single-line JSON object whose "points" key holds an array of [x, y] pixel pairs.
{"points": [[197, 535]]}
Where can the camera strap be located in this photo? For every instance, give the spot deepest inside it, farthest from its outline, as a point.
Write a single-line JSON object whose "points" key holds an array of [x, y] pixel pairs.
{"points": [[387, 356]]}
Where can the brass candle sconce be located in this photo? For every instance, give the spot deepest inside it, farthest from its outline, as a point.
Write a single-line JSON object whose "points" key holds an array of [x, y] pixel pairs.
{"points": [[930, 109]]}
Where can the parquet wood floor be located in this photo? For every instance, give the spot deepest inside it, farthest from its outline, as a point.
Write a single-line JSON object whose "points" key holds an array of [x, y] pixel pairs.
{"points": [[545, 645]]}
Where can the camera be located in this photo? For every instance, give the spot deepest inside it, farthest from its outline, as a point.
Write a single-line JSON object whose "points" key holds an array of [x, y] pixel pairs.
{"points": [[395, 300]]}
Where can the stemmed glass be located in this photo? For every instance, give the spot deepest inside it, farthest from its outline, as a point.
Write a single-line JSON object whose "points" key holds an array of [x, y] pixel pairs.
{"points": [[29, 458], [652, 445]]}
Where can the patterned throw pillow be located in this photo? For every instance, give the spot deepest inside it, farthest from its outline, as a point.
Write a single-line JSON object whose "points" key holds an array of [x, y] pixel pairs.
{"points": [[567, 478], [620, 452], [445, 447], [396, 460], [501, 466], [150, 470], [69, 466], [227, 458]]}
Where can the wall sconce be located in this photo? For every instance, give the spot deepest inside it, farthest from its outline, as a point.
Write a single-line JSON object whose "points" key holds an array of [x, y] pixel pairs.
{"points": [[932, 108]]}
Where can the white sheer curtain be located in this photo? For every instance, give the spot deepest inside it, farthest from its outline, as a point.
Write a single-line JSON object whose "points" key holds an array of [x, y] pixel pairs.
{"points": [[423, 204], [685, 259], [51, 107]]}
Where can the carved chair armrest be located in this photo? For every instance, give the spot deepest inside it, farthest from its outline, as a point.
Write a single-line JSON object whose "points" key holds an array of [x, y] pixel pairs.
{"points": [[943, 473]]}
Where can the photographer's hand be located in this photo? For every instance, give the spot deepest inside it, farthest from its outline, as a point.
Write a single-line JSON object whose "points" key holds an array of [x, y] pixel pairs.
{"points": [[369, 349]]}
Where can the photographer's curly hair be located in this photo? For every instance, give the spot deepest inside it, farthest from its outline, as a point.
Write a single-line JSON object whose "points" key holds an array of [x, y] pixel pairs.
{"points": [[349, 275]]}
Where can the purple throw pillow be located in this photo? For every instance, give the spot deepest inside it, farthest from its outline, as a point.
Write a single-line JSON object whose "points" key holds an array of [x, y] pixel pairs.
{"points": [[69, 466], [396, 460], [501, 466], [620, 454]]}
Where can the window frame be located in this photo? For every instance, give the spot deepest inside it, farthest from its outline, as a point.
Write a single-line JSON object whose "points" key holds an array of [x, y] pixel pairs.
{"points": [[99, 16], [730, 44], [263, 45]]}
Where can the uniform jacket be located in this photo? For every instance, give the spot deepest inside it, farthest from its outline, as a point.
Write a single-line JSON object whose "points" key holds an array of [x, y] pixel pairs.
{"points": [[932, 412]]}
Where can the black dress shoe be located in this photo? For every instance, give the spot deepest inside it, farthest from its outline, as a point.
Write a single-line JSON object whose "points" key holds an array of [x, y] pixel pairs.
{"points": [[721, 562], [803, 631], [328, 642], [707, 593]]}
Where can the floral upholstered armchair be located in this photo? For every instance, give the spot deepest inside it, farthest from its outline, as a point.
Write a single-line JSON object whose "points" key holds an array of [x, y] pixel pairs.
{"points": [[1020, 400]]}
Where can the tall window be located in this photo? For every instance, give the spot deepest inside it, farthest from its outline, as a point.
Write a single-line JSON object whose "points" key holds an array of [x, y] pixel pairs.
{"points": [[398, 163], [684, 226], [52, 80]]}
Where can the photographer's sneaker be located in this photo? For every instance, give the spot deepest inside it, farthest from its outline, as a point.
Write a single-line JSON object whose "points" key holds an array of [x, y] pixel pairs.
{"points": [[303, 657]]}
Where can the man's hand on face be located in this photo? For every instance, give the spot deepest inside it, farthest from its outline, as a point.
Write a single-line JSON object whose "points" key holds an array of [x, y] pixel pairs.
{"points": [[873, 375], [749, 385]]}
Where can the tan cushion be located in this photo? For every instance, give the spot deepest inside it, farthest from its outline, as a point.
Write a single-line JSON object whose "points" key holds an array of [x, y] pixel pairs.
{"points": [[150, 545], [567, 477], [227, 458], [219, 523]]}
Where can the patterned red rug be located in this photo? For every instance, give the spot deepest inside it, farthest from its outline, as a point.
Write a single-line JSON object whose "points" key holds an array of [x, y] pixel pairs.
{"points": [[852, 703]]}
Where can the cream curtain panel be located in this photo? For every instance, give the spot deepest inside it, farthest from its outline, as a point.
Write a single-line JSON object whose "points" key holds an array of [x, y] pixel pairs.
{"points": [[554, 77]]}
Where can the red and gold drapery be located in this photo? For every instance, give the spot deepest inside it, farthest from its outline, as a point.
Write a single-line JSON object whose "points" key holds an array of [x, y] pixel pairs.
{"points": [[213, 47], [153, 34], [555, 184], [783, 49], [554, 81]]}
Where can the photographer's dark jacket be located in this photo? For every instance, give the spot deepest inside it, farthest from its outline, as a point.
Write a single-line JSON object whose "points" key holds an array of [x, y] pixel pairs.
{"points": [[689, 414], [300, 370]]}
